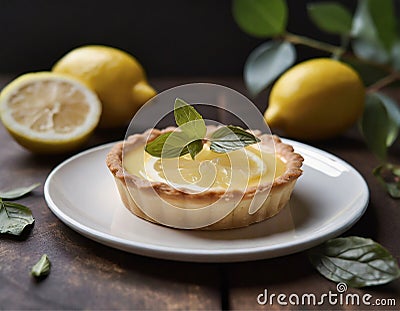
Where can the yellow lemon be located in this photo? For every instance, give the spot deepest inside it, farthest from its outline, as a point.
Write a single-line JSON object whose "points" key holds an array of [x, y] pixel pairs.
{"points": [[316, 99], [116, 77], [49, 113]]}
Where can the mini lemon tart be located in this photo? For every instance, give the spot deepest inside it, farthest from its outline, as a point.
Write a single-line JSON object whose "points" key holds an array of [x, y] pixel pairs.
{"points": [[213, 191]]}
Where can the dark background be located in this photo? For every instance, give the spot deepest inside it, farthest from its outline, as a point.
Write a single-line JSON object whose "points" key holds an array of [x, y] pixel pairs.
{"points": [[169, 37]]}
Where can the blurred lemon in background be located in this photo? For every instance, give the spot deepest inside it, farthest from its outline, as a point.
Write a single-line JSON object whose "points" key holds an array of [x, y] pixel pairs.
{"points": [[49, 113], [316, 99], [116, 77]]}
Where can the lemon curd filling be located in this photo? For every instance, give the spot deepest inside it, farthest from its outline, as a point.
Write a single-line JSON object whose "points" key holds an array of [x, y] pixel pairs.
{"points": [[236, 170]]}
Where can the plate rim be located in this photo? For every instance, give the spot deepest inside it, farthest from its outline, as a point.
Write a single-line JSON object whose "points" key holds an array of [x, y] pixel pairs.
{"points": [[203, 255]]}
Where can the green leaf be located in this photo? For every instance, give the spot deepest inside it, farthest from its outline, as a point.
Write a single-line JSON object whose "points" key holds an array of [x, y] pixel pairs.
{"points": [[266, 63], [168, 145], [395, 55], [14, 217], [387, 175], [331, 17], [375, 125], [195, 147], [42, 267], [18, 192], [356, 261], [382, 14], [393, 189], [368, 73], [189, 120], [366, 42], [261, 18], [230, 138], [393, 112]]}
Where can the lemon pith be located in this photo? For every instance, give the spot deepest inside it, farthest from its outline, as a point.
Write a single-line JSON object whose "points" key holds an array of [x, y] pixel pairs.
{"points": [[316, 99], [117, 78], [49, 113]]}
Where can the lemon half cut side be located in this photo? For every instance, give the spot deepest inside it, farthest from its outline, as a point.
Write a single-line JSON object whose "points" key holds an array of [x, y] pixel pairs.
{"points": [[49, 113]]}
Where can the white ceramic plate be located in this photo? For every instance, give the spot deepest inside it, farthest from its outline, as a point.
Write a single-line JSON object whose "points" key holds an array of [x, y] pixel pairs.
{"points": [[328, 199]]}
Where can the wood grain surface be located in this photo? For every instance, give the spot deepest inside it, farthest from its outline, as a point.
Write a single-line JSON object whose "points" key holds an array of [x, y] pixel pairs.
{"points": [[88, 275]]}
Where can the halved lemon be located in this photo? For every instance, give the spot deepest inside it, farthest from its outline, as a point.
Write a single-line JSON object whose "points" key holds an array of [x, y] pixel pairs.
{"points": [[49, 113]]}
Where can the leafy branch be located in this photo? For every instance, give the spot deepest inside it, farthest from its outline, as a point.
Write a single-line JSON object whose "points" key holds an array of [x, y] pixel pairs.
{"points": [[369, 43]]}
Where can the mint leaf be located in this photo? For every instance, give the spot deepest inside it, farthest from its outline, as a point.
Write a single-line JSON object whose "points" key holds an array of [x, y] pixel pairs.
{"points": [[195, 147], [189, 120], [14, 217], [356, 261], [230, 138], [42, 267], [168, 145], [331, 17], [18, 192], [265, 63], [261, 18]]}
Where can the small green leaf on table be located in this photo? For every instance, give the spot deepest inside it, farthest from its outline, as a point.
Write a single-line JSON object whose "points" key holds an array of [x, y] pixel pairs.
{"points": [[266, 63], [230, 138], [14, 217], [42, 267], [18, 192], [388, 175], [261, 18], [331, 17], [356, 261]]}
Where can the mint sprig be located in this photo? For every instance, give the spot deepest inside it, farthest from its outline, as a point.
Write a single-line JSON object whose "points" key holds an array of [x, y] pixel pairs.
{"points": [[190, 136]]}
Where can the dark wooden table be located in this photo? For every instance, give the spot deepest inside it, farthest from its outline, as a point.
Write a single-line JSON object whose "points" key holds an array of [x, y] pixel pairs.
{"points": [[88, 275]]}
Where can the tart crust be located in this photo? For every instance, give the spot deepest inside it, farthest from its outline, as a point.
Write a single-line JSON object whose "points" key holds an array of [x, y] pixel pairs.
{"points": [[133, 189]]}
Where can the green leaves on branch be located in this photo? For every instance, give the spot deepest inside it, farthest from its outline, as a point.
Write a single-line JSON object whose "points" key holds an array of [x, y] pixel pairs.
{"points": [[261, 18], [266, 63], [190, 136], [42, 267], [356, 261], [331, 17]]}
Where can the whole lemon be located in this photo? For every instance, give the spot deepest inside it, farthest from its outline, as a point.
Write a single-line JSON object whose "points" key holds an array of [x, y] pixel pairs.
{"points": [[316, 99], [115, 76]]}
